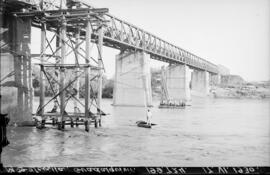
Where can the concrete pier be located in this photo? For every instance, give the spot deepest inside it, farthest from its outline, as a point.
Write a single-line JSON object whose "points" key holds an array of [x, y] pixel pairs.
{"points": [[178, 79], [132, 85], [200, 83]]}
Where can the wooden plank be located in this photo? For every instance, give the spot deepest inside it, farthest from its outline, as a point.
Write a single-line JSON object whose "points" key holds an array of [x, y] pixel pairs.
{"points": [[62, 70], [42, 51], [73, 115], [100, 64], [77, 45], [87, 71], [69, 66]]}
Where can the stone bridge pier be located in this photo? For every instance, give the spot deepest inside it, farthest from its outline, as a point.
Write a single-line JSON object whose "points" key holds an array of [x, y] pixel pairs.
{"points": [[200, 83], [132, 85], [178, 79]]}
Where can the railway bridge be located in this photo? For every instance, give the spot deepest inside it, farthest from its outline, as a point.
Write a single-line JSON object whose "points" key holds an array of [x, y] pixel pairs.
{"points": [[68, 28]]}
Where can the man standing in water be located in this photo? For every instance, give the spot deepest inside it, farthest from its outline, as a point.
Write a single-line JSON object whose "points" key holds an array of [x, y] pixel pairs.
{"points": [[149, 117]]}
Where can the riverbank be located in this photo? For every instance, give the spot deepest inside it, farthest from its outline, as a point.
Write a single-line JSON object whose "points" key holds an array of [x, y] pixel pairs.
{"points": [[253, 90]]}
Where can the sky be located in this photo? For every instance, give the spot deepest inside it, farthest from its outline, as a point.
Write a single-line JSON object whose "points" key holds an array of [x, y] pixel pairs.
{"points": [[233, 33]]}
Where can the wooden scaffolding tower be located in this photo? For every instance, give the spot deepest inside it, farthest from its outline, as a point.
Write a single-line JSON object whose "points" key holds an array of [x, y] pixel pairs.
{"points": [[72, 28]]}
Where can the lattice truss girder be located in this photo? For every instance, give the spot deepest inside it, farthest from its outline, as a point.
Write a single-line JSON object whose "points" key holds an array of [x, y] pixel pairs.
{"points": [[121, 34]]}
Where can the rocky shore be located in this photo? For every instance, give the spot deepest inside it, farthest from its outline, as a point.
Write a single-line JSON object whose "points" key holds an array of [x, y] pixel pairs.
{"points": [[235, 87]]}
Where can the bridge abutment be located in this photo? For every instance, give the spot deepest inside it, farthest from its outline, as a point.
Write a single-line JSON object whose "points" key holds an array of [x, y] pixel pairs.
{"points": [[132, 85], [200, 83], [178, 82]]}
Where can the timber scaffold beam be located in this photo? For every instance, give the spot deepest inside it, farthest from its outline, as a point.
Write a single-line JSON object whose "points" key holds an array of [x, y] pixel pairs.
{"points": [[74, 18]]}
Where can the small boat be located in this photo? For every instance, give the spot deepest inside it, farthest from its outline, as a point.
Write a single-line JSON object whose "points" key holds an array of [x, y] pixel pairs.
{"points": [[144, 124], [172, 104]]}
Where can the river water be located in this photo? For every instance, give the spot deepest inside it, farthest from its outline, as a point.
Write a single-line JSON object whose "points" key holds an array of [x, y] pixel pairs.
{"points": [[211, 132]]}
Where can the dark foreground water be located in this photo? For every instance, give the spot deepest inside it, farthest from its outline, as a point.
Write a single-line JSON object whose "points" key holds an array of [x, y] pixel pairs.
{"points": [[211, 132]]}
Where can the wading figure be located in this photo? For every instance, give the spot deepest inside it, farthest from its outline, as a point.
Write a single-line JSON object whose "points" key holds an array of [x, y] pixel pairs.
{"points": [[3, 135]]}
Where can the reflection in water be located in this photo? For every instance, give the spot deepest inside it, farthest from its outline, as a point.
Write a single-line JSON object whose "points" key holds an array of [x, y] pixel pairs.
{"points": [[211, 132]]}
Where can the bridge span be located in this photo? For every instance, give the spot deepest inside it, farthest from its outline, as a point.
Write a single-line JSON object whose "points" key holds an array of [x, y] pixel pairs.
{"points": [[74, 24]]}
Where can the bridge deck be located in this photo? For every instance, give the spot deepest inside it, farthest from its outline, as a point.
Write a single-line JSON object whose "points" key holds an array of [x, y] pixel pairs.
{"points": [[117, 34]]}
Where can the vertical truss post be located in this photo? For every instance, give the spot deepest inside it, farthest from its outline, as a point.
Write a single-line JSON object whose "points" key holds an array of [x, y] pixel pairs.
{"points": [[87, 70], [62, 70], [143, 41], [42, 53], [77, 37], [63, 4], [100, 49]]}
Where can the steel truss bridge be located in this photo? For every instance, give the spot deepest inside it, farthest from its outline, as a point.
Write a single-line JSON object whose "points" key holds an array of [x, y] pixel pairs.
{"points": [[116, 33]]}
